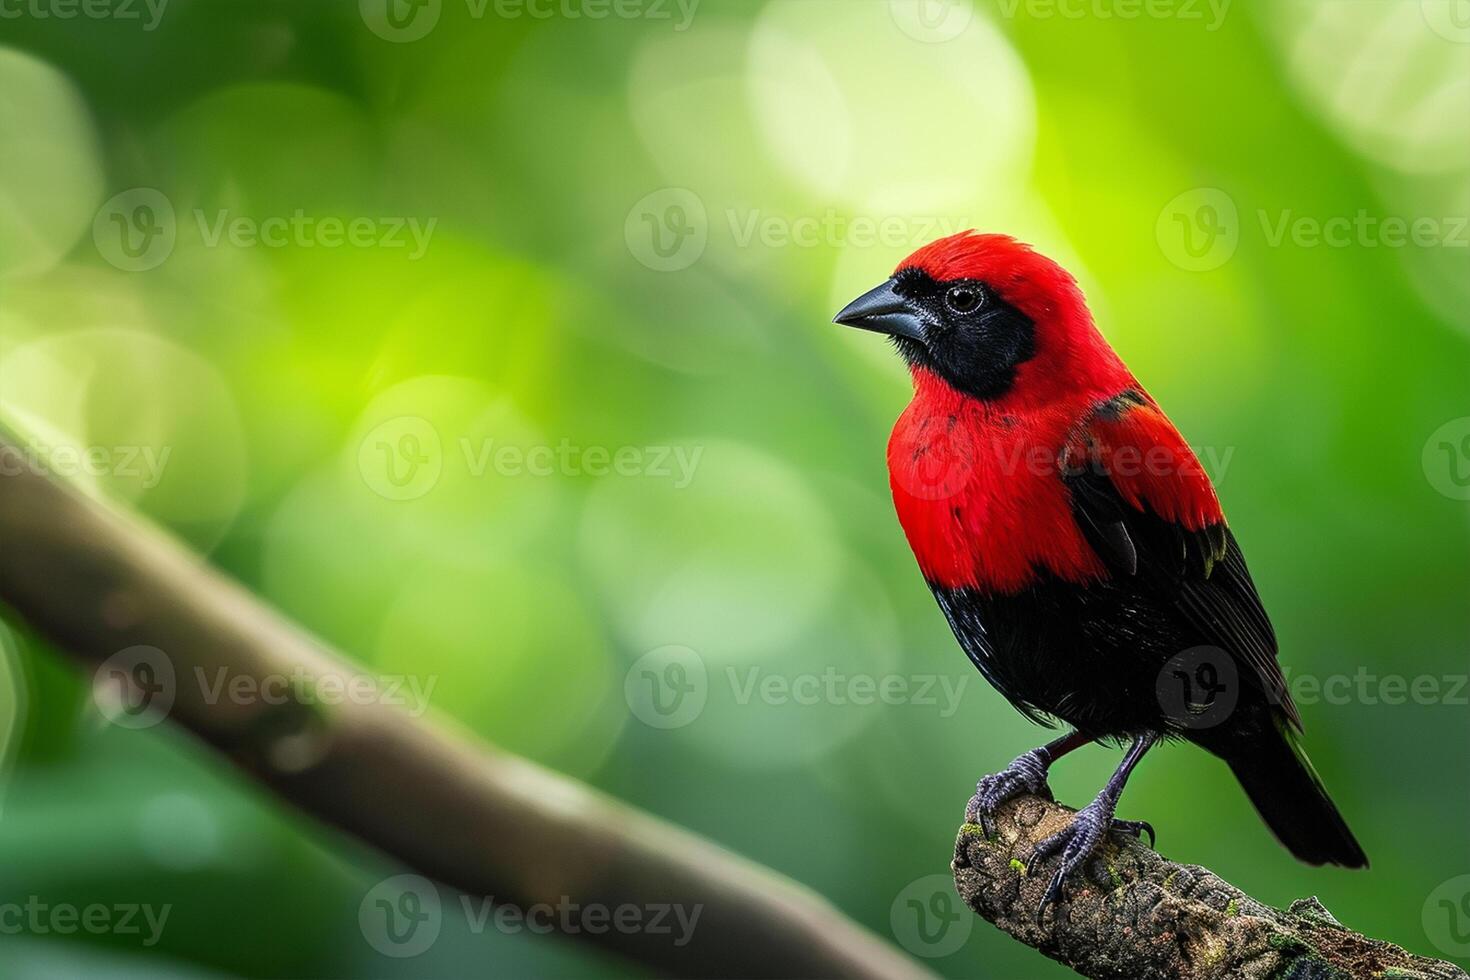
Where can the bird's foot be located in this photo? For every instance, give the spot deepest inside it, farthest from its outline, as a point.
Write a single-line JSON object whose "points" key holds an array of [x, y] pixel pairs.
{"points": [[1076, 843], [1135, 828], [1026, 774]]}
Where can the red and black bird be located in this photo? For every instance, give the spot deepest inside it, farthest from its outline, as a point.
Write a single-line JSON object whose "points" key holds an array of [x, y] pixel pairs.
{"points": [[1076, 545]]}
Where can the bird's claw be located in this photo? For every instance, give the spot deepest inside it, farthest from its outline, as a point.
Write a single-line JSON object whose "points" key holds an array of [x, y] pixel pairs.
{"points": [[1076, 842], [1052, 894], [1135, 828], [1025, 774]]}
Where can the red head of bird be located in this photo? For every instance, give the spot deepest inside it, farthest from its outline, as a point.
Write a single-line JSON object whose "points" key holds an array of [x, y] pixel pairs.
{"points": [[992, 319]]}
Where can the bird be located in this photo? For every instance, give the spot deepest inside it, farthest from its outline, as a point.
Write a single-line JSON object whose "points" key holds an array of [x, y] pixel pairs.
{"points": [[1078, 549]]}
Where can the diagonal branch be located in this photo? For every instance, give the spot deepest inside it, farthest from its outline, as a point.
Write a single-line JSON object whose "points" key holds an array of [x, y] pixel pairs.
{"points": [[96, 582], [1140, 916]]}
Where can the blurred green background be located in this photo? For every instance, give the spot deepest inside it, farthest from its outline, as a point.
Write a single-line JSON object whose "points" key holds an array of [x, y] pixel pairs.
{"points": [[633, 226]]}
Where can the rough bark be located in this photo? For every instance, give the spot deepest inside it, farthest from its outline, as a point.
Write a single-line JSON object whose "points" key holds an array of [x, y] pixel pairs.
{"points": [[1135, 915]]}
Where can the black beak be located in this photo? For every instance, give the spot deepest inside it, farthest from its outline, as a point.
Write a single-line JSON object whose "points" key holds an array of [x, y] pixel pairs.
{"points": [[882, 310]]}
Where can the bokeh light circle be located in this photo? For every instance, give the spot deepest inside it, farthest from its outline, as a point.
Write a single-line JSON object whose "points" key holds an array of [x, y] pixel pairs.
{"points": [[50, 172], [842, 98], [135, 417], [744, 554], [512, 652]]}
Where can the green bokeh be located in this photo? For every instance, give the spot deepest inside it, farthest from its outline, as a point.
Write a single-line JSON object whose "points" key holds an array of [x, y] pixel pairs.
{"points": [[811, 145]]}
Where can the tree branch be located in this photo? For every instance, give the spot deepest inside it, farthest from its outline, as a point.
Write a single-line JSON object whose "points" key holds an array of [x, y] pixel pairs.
{"points": [[1140, 916], [96, 582]]}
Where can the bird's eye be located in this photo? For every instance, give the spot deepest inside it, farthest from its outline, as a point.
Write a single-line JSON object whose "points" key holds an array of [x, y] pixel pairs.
{"points": [[963, 299]]}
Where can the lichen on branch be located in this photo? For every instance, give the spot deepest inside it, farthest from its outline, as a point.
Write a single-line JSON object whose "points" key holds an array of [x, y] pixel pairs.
{"points": [[1132, 914]]}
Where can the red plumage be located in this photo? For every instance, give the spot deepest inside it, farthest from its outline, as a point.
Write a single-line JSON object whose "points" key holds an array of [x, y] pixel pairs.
{"points": [[977, 483]]}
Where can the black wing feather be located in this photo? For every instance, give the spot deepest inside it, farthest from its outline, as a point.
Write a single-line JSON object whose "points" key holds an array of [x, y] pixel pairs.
{"points": [[1201, 574]]}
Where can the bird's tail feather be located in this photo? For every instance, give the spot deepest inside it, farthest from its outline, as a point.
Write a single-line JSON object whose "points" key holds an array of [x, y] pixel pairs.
{"points": [[1289, 795]]}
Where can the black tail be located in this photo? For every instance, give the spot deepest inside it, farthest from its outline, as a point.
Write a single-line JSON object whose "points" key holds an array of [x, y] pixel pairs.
{"points": [[1292, 800]]}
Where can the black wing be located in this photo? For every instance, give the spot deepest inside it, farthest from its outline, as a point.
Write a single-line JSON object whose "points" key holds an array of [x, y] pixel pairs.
{"points": [[1139, 518]]}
